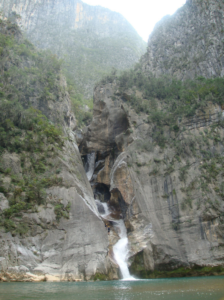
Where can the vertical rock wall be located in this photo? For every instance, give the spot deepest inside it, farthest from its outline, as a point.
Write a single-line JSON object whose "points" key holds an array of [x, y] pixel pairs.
{"points": [[148, 195], [90, 39], [189, 43], [53, 244]]}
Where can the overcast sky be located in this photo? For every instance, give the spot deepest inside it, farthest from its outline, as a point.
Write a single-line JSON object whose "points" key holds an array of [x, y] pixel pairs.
{"points": [[142, 14]]}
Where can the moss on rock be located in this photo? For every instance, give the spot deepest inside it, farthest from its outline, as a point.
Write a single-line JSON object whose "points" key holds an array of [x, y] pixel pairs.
{"points": [[138, 269]]}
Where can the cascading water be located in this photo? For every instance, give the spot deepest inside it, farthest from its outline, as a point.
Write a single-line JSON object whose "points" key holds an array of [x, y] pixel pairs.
{"points": [[103, 209], [120, 249], [90, 165]]}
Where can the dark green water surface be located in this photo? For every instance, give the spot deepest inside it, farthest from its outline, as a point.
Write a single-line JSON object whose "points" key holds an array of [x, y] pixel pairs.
{"points": [[205, 288]]}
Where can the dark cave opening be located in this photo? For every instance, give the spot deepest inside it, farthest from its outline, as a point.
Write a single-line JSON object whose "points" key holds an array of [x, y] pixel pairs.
{"points": [[101, 192]]}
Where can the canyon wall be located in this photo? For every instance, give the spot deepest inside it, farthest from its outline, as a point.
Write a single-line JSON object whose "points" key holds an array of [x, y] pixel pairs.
{"points": [[189, 43], [156, 139], [172, 221], [90, 39], [50, 228], [157, 144]]}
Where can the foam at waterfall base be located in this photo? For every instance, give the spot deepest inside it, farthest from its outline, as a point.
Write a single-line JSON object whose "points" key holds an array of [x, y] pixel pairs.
{"points": [[131, 278], [121, 250]]}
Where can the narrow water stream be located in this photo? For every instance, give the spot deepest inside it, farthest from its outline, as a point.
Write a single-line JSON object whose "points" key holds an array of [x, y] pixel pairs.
{"points": [[90, 165], [120, 249]]}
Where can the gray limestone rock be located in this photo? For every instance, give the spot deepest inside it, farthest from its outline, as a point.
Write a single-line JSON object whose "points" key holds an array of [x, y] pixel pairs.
{"points": [[189, 43], [37, 244], [73, 249], [4, 203], [150, 197], [91, 39], [12, 163]]}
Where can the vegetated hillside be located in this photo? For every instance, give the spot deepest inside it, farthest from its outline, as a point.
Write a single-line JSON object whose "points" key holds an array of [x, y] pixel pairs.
{"points": [[29, 79], [91, 40], [189, 43], [163, 144], [43, 186]]}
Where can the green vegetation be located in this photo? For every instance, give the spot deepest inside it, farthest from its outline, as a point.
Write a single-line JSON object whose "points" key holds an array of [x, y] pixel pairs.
{"points": [[173, 108], [26, 73], [29, 79], [88, 57], [177, 99], [82, 107], [184, 122], [25, 130], [99, 277], [30, 71], [62, 211], [35, 74], [181, 97], [182, 272], [137, 268]]}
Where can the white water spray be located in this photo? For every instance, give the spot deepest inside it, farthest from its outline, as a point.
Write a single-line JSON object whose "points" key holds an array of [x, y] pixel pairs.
{"points": [[89, 167], [103, 209], [120, 249]]}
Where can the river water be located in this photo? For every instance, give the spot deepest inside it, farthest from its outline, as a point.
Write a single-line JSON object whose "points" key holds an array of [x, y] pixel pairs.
{"points": [[204, 288]]}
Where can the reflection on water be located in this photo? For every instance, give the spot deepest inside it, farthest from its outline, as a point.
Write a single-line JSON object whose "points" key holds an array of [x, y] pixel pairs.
{"points": [[204, 288]]}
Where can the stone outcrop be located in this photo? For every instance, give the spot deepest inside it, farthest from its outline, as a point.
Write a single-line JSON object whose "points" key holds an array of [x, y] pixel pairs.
{"points": [[110, 118], [48, 247], [90, 39], [169, 194], [69, 250], [146, 186], [170, 197], [189, 43]]}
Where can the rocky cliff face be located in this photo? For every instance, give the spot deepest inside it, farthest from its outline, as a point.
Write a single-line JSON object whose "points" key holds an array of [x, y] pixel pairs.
{"points": [[157, 149], [173, 219], [50, 228], [90, 39], [159, 145], [189, 43]]}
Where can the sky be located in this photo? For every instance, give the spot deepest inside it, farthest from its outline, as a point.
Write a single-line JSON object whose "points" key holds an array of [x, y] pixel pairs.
{"points": [[142, 14]]}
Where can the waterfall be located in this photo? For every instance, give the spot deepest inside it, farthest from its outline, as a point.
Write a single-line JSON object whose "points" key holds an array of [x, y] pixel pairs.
{"points": [[90, 164], [120, 249], [103, 209]]}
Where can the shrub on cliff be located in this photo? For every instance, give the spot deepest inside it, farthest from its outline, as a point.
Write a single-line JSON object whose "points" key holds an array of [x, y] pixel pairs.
{"points": [[25, 132], [178, 98]]}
